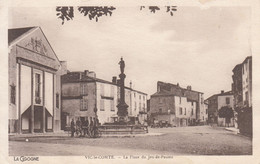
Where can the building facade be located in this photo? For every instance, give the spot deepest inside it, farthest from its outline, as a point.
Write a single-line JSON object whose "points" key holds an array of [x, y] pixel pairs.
{"points": [[247, 81], [242, 89], [85, 96], [237, 86], [205, 113], [178, 106], [242, 83], [34, 82], [215, 103]]}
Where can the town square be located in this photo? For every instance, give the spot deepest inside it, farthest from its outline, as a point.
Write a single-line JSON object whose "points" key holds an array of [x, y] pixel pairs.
{"points": [[197, 140], [105, 81]]}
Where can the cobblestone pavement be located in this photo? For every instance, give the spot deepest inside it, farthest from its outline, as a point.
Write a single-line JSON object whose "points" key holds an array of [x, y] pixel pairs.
{"points": [[198, 140]]}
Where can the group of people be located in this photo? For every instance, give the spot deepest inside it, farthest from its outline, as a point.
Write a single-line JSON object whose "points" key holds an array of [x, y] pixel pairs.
{"points": [[84, 127]]}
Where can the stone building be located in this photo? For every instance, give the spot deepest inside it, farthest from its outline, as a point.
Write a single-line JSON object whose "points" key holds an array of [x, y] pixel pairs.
{"points": [[242, 90], [178, 106], [247, 81], [242, 83], [205, 112], [34, 82], [215, 103], [237, 86], [85, 96]]}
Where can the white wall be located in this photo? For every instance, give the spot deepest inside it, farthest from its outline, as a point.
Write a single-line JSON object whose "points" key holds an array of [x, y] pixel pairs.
{"points": [[37, 124], [194, 107], [245, 82], [25, 123], [49, 92], [111, 90], [222, 101], [184, 104], [17, 92], [105, 116], [135, 98], [25, 88], [206, 110], [49, 122]]}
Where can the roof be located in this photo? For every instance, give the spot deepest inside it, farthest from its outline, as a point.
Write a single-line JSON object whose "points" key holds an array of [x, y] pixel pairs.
{"points": [[240, 65], [179, 87], [94, 79], [108, 82], [237, 67], [247, 58], [17, 32], [163, 93], [167, 93], [182, 92], [225, 93], [221, 94], [215, 95], [188, 99]]}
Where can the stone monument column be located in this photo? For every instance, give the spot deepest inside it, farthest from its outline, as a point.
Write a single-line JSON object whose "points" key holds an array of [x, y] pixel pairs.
{"points": [[122, 106]]}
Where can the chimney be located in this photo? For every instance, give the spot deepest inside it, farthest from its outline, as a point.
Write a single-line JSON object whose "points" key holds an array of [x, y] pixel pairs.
{"points": [[189, 87], [118, 82], [92, 74], [86, 72], [178, 85], [222, 91], [158, 86], [114, 79], [131, 84], [80, 75], [63, 67]]}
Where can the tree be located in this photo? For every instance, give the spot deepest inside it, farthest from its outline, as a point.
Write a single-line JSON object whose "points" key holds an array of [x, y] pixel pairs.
{"points": [[227, 113], [94, 12]]}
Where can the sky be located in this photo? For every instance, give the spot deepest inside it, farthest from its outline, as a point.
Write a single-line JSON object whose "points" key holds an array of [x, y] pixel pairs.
{"points": [[197, 47]]}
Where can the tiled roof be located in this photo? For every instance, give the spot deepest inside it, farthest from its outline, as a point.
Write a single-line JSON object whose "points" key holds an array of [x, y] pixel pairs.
{"points": [[225, 93], [175, 90], [221, 94], [108, 82], [76, 78], [162, 93], [174, 85]]}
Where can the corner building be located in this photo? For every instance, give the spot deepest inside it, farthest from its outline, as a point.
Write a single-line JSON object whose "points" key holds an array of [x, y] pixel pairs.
{"points": [[215, 103], [84, 96], [242, 90], [178, 106], [34, 82]]}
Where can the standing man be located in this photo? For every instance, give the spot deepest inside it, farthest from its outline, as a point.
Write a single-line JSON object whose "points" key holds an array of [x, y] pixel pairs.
{"points": [[72, 128], [97, 121], [85, 126], [78, 126], [91, 123]]}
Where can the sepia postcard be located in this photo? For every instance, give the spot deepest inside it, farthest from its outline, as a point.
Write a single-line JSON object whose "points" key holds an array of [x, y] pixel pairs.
{"points": [[127, 82]]}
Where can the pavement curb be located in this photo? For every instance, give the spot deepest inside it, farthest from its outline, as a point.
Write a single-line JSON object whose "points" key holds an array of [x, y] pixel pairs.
{"points": [[133, 135], [233, 130]]}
